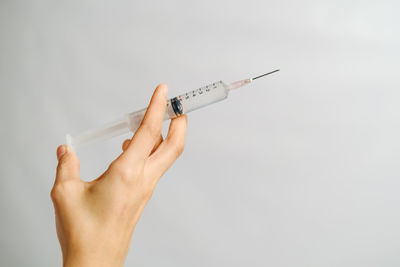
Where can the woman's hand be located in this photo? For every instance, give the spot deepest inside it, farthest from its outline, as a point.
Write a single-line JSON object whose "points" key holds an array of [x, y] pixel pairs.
{"points": [[95, 220]]}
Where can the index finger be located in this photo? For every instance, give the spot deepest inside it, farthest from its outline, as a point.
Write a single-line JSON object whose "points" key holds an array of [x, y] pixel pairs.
{"points": [[150, 129]]}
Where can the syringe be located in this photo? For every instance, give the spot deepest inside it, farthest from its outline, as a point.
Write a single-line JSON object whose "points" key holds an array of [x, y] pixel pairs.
{"points": [[176, 106]]}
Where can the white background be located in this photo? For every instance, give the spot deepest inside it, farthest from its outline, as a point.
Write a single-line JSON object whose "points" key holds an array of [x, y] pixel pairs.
{"points": [[298, 169]]}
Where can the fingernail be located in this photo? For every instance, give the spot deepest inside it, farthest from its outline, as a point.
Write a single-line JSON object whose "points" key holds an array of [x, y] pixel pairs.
{"points": [[61, 151], [164, 90]]}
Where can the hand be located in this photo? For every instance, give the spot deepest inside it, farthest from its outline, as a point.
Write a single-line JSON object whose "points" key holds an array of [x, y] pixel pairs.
{"points": [[95, 220]]}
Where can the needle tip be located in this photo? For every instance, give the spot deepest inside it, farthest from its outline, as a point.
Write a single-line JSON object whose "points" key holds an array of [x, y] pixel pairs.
{"points": [[265, 74]]}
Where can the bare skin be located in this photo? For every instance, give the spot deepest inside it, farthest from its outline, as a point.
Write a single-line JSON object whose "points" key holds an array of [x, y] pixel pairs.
{"points": [[95, 220]]}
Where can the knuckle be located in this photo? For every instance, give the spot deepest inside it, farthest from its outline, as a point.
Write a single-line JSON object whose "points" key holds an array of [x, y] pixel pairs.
{"points": [[126, 172], [63, 188], [147, 191], [179, 148], [54, 193], [116, 167], [152, 129], [129, 172]]}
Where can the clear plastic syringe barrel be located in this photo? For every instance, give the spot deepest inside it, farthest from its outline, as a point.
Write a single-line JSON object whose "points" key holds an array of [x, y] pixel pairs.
{"points": [[175, 107], [185, 103]]}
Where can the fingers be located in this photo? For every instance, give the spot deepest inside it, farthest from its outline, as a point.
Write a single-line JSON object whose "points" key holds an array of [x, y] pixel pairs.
{"points": [[149, 131], [68, 164], [171, 148], [126, 143]]}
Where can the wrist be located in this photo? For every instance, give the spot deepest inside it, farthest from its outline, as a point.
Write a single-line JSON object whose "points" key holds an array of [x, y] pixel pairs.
{"points": [[91, 260]]}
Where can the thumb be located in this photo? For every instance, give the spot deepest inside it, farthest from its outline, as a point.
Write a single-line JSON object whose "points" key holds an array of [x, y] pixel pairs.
{"points": [[68, 164]]}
